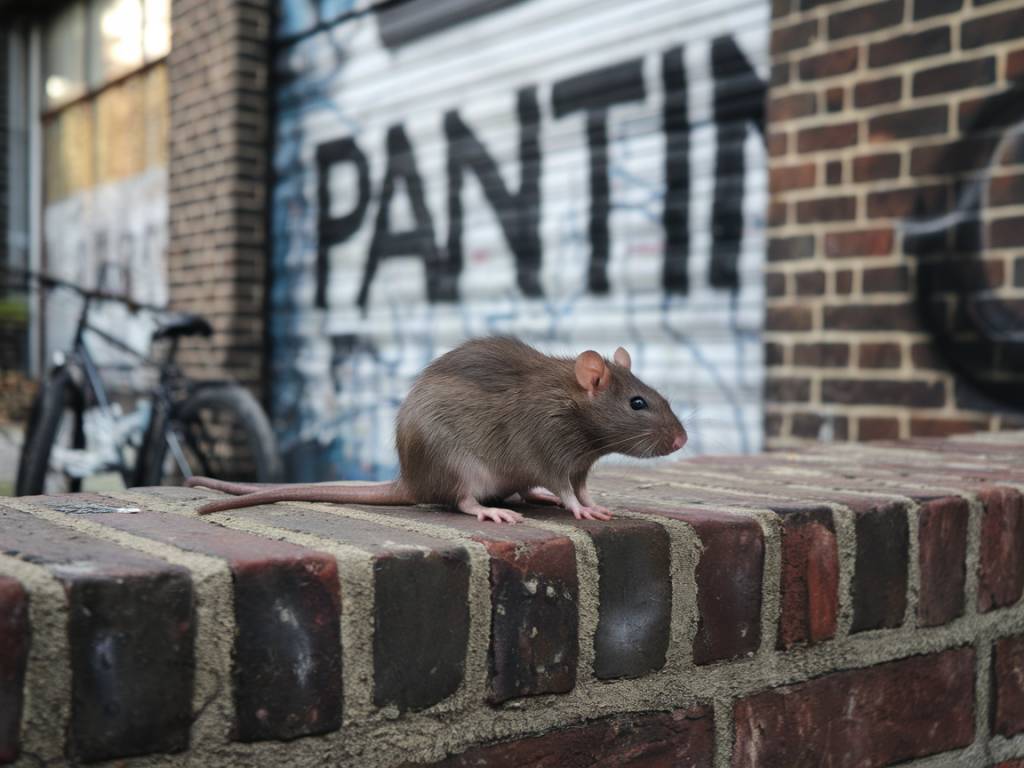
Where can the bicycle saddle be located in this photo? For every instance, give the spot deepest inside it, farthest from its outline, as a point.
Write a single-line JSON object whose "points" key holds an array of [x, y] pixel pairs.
{"points": [[182, 324]]}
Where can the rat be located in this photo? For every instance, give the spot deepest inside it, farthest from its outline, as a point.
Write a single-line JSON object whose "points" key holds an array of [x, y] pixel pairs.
{"points": [[495, 419]]}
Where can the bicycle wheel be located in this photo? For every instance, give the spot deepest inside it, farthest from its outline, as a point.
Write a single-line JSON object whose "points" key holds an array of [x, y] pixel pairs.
{"points": [[220, 431], [55, 422]]}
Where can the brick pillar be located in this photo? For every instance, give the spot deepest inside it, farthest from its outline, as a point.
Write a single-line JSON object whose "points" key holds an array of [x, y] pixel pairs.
{"points": [[871, 123], [217, 246]]}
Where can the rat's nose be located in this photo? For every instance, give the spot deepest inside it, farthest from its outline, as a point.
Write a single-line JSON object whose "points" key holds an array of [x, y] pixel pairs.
{"points": [[679, 442]]}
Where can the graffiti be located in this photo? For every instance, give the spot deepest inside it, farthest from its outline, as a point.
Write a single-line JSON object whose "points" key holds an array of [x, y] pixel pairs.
{"points": [[509, 172], [122, 225], [977, 331]]}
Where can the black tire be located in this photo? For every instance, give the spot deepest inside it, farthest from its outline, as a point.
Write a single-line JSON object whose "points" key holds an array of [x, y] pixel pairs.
{"points": [[223, 432], [58, 403]]}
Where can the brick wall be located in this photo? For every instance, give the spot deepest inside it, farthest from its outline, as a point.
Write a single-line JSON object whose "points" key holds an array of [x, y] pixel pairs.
{"points": [[880, 114], [217, 168], [773, 610]]}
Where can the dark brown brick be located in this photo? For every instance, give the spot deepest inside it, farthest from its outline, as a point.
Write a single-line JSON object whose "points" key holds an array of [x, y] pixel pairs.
{"points": [[871, 317], [923, 356], [869, 428], [14, 643], [1006, 233], [865, 242], [841, 208], [1018, 271], [286, 675], [786, 178], [781, 8], [131, 633], [916, 45], [775, 284], [879, 355], [873, 92], [936, 427], [880, 569], [834, 172], [806, 425], [774, 354], [791, 248], [826, 137], [953, 77], [1001, 560], [965, 154], [865, 18], [861, 715], [772, 424], [777, 213], [632, 635], [794, 318], [992, 29], [942, 560], [787, 390], [777, 144], [834, 98], [421, 590], [844, 282], [875, 167], [828, 64], [791, 107], [683, 737], [779, 74], [1006, 190], [1008, 685], [789, 38], [810, 283], [885, 279], [906, 201], [925, 9], [822, 355], [809, 580], [908, 124], [1015, 65], [913, 394]]}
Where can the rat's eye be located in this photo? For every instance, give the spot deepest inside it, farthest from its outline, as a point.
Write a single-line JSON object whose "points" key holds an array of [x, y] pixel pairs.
{"points": [[637, 403]]}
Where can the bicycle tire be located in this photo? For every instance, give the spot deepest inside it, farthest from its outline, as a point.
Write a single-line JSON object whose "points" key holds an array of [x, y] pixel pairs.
{"points": [[223, 398], [58, 393]]}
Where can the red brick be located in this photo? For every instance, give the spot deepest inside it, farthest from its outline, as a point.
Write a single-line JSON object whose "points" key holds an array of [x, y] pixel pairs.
{"points": [[916, 45], [871, 317], [809, 580], [791, 107], [880, 569], [911, 394], [785, 178], [953, 77], [942, 556], [777, 144], [908, 124], [794, 36], [879, 355], [865, 242], [826, 137], [822, 355], [826, 209], [14, 644], [865, 18], [1008, 685], [273, 698], [937, 427], [1001, 560], [869, 428], [1006, 190], [860, 717], [683, 737], [143, 602], [795, 318], [831, 64], [992, 29], [875, 167], [873, 92]]}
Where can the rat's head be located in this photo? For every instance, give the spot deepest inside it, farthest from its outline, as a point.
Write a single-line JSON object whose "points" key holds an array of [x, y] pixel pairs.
{"points": [[628, 416]]}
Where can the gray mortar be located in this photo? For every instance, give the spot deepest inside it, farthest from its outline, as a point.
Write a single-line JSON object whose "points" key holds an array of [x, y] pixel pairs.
{"points": [[212, 703], [429, 735], [47, 694]]}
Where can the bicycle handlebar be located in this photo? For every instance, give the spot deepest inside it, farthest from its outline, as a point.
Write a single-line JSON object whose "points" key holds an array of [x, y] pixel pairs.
{"points": [[91, 293]]}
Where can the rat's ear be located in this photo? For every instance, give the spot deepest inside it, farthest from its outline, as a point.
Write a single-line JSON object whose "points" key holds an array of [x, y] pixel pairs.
{"points": [[622, 357], [591, 372]]}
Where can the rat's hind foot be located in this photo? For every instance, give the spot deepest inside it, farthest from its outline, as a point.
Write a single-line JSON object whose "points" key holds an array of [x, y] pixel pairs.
{"points": [[471, 506], [540, 495]]}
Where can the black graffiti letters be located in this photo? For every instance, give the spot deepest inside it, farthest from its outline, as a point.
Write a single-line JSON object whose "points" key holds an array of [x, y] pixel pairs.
{"points": [[594, 93], [738, 95]]}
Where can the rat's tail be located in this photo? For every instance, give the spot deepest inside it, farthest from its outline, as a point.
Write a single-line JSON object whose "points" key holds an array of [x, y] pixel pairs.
{"points": [[249, 495]]}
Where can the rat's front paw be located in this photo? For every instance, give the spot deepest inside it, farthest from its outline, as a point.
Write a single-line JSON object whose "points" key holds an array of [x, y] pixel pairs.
{"points": [[592, 513]]}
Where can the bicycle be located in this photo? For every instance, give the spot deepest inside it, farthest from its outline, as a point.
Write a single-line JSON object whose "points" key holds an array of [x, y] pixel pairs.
{"points": [[181, 427]]}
